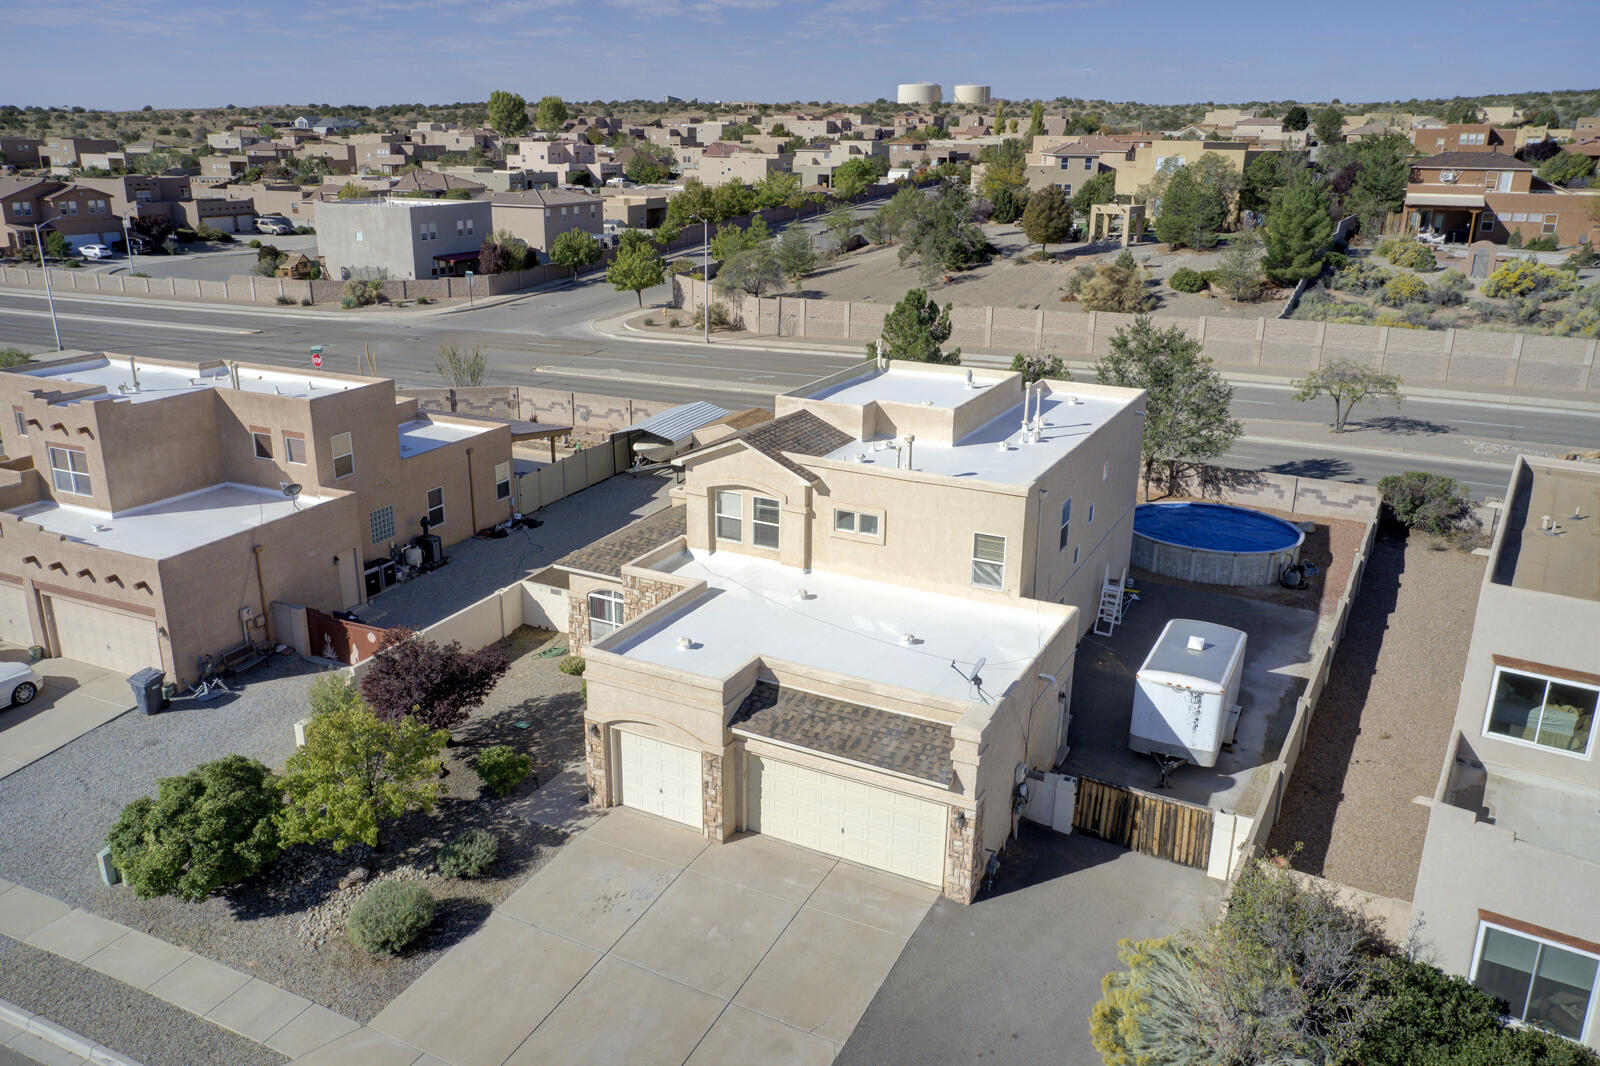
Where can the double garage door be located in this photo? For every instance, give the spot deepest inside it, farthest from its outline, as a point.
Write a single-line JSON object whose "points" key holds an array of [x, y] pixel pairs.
{"points": [[101, 636]]}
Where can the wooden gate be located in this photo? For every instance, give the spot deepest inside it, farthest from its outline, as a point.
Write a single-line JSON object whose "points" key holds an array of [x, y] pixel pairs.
{"points": [[1155, 825]]}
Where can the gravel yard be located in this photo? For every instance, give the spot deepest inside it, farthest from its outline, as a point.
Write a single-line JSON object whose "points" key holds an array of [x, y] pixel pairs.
{"points": [[119, 1016], [1380, 730], [286, 925]]}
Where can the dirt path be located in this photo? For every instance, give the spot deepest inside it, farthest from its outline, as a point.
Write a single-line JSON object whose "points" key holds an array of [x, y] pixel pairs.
{"points": [[1380, 731]]}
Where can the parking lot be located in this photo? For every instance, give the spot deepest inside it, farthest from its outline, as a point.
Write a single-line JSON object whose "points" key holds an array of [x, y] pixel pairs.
{"points": [[203, 262]]}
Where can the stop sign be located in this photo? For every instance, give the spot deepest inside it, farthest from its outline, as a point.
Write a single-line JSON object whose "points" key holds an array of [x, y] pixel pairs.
{"points": [[316, 360]]}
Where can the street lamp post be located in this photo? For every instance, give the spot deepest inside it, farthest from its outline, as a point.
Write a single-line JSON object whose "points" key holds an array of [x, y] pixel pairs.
{"points": [[38, 244], [127, 240], [705, 272]]}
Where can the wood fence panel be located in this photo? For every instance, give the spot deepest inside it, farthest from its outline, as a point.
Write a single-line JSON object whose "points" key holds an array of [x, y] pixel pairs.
{"points": [[1144, 822]]}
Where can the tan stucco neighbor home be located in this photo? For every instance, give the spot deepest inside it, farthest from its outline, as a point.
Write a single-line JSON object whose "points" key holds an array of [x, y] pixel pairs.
{"points": [[1509, 887], [148, 510], [855, 629]]}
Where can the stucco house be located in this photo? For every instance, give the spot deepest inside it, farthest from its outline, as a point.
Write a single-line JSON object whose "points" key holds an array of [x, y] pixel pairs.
{"points": [[403, 237], [1487, 196]]}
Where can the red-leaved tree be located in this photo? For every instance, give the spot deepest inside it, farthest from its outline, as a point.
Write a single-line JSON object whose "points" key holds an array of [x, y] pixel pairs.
{"points": [[436, 684]]}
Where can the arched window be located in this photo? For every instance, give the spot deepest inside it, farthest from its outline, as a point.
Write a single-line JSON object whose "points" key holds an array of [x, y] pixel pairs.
{"points": [[605, 613]]}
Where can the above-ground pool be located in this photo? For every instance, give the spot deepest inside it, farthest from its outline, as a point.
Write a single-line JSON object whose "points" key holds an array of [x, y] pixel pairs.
{"points": [[1213, 543]]}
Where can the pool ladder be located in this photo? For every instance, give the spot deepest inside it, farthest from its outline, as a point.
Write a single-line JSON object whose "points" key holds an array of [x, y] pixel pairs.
{"points": [[1113, 601]]}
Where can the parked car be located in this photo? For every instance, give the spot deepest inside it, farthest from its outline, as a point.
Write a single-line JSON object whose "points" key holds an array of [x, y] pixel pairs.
{"points": [[95, 251], [274, 225], [18, 683]]}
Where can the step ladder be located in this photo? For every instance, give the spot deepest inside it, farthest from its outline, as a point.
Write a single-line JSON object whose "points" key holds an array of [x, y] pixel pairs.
{"points": [[1113, 601]]}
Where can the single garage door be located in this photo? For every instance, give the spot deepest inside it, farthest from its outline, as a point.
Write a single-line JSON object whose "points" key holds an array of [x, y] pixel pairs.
{"points": [[14, 625], [104, 637], [661, 778], [864, 823], [221, 222]]}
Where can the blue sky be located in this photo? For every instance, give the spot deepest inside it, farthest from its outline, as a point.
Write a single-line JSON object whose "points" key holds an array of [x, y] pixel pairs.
{"points": [[438, 51]]}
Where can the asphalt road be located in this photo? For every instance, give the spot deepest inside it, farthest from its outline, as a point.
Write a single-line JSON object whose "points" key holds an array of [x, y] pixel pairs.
{"points": [[546, 338]]}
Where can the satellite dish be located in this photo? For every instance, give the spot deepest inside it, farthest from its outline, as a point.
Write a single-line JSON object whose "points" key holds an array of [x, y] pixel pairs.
{"points": [[974, 676], [291, 489]]}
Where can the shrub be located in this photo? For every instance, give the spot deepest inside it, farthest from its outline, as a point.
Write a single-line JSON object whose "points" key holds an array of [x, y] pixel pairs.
{"points": [[439, 684], [254, 243], [203, 232], [1528, 278], [390, 916], [288, 300], [1117, 286], [1585, 255], [1335, 261], [422, 300], [1186, 280], [305, 301], [1361, 275], [1403, 289], [720, 317], [1544, 243], [1414, 255], [470, 854], [502, 769], [1515, 240], [357, 293], [573, 664], [1430, 502], [1451, 289]]}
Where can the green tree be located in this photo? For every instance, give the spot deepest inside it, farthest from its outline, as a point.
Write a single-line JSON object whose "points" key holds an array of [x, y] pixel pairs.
{"points": [[1186, 410], [650, 164], [1238, 271], [1005, 167], [1347, 383], [732, 199], [1566, 167], [1100, 189], [210, 827], [575, 249], [57, 246], [1036, 126], [1008, 206], [854, 176], [1384, 169], [508, 113], [1298, 230], [1266, 175], [753, 270], [938, 230], [1048, 217], [356, 772], [1191, 213], [1329, 125], [732, 239], [638, 265], [1039, 365], [551, 113], [1461, 112], [796, 253], [915, 329], [1431, 502], [352, 191], [1296, 118], [840, 225], [10, 357], [777, 189]]}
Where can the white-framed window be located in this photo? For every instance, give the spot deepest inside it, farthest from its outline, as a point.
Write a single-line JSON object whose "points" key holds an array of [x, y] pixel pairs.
{"points": [[502, 481], [380, 524], [21, 420], [358, 235], [436, 507], [22, 208], [1542, 982], [344, 455], [730, 512], [855, 522], [1549, 225], [294, 447], [70, 469], [988, 561], [1548, 712], [764, 515], [1520, 216], [263, 442], [1066, 524], [605, 613]]}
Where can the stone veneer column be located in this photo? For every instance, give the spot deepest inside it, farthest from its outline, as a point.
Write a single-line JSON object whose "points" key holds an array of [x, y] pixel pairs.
{"points": [[711, 796], [577, 623], [963, 860], [594, 770]]}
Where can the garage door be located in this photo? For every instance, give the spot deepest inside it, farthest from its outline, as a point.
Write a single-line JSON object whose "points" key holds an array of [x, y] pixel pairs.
{"points": [[661, 778], [873, 826], [14, 625], [221, 222], [104, 637]]}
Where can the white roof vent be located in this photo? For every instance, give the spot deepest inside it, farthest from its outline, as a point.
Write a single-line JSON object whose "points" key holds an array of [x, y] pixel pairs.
{"points": [[1197, 642], [685, 643], [908, 639], [927, 403], [801, 594]]}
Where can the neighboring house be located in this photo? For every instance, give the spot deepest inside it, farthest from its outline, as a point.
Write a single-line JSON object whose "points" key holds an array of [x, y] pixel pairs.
{"points": [[452, 139], [1586, 126], [724, 162], [1268, 132], [323, 127], [1146, 160], [1511, 863], [560, 161], [491, 179], [380, 153], [1371, 131], [630, 209], [221, 169], [22, 205], [856, 629], [435, 184], [401, 237], [144, 517], [341, 157], [1070, 164], [63, 153], [20, 151], [1476, 196], [539, 216], [1461, 137], [234, 139]]}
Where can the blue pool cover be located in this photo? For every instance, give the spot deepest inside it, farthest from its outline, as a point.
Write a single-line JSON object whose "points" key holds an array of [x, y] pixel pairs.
{"points": [[1214, 527]]}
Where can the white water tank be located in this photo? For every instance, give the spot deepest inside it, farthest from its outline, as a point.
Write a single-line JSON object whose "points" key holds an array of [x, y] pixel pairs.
{"points": [[972, 94], [918, 92]]}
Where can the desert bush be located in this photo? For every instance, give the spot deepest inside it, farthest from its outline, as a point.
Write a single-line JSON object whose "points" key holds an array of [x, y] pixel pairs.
{"points": [[286, 300], [356, 293], [1543, 243], [1585, 255], [572, 664], [1361, 275], [203, 232], [470, 854], [720, 316], [1414, 255], [502, 769], [1515, 240], [1403, 289], [255, 243], [1528, 278], [1186, 280], [1115, 286], [1430, 502], [390, 916], [1451, 289]]}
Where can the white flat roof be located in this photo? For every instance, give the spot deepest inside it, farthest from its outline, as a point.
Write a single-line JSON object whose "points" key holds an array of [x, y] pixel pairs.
{"points": [[423, 435], [847, 625], [1068, 420], [158, 380], [168, 527], [901, 384]]}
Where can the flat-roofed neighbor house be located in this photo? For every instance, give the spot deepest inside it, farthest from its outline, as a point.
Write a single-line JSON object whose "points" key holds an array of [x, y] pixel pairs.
{"points": [[143, 514], [402, 238], [1510, 872], [857, 630]]}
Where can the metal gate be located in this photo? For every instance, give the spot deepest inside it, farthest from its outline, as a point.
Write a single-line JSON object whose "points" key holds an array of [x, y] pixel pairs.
{"points": [[1143, 821]]}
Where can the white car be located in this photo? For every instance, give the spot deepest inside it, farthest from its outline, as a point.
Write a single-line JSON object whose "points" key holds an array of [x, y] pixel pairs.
{"points": [[95, 251], [18, 683], [274, 225]]}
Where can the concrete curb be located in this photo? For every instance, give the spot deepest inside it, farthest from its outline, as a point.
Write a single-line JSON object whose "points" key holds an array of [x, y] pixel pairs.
{"points": [[60, 1037], [1289, 442], [639, 336]]}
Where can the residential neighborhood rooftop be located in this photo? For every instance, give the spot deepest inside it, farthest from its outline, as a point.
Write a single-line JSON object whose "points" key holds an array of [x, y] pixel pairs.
{"points": [[424, 435], [139, 380], [901, 384], [1564, 559]]}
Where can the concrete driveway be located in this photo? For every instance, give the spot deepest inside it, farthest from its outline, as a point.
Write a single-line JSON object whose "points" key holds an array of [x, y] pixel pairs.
{"points": [[73, 698], [642, 943]]}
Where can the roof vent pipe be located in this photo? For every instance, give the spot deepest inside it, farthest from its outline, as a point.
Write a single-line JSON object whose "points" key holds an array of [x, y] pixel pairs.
{"points": [[133, 368], [970, 384], [910, 440]]}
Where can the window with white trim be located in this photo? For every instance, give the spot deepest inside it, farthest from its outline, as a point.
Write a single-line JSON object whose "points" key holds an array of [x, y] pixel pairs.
{"points": [[730, 512], [502, 481], [21, 419], [344, 455], [294, 448], [69, 467], [855, 522], [1549, 225], [988, 561], [263, 442], [380, 524], [1543, 983], [605, 613], [764, 515], [1066, 524], [436, 507], [1545, 711]]}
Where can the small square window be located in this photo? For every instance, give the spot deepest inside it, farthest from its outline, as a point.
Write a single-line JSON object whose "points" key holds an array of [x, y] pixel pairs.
{"points": [[844, 521], [381, 523], [69, 468], [263, 442], [436, 507], [867, 525], [294, 448]]}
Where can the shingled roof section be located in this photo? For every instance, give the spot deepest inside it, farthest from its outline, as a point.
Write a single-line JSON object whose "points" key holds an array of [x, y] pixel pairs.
{"points": [[911, 746], [608, 555], [801, 433], [1473, 161]]}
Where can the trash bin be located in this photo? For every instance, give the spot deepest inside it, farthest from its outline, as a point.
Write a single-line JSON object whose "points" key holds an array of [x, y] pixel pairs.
{"points": [[146, 685]]}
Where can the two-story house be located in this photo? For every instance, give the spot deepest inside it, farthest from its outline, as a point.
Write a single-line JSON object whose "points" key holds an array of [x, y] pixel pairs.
{"points": [[539, 216], [1477, 196], [21, 206], [856, 629], [725, 161], [21, 152], [1459, 137], [153, 511], [1510, 872], [1070, 164], [403, 238], [61, 154]]}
